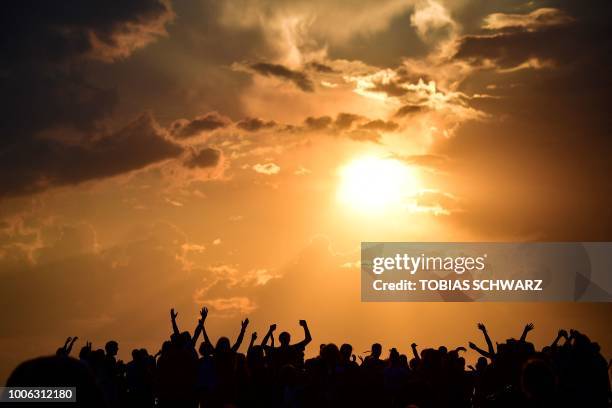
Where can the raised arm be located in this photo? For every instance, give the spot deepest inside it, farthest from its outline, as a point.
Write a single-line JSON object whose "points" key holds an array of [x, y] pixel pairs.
{"points": [[483, 329], [415, 353], [307, 336], [264, 342], [69, 349], [480, 351], [66, 343], [175, 328], [243, 327], [527, 329], [562, 333], [252, 342], [200, 326]]}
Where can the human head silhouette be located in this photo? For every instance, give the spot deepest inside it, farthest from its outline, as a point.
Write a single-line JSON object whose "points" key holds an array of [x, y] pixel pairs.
{"points": [[284, 338], [345, 351], [223, 345], [376, 350], [394, 356], [206, 349], [112, 348], [185, 338]]}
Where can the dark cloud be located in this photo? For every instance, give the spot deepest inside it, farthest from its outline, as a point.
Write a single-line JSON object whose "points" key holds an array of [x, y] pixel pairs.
{"points": [[540, 166], [345, 120], [583, 34], [408, 110], [300, 79], [319, 67], [255, 124], [391, 88], [206, 157], [318, 123], [55, 32], [380, 125], [44, 163], [45, 52], [399, 84], [183, 129]]}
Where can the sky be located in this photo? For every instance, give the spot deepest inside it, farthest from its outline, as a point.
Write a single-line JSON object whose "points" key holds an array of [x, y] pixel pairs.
{"points": [[158, 154]]}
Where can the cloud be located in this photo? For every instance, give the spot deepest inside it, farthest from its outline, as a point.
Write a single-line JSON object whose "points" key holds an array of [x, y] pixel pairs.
{"points": [[54, 110], [319, 67], [41, 164], [408, 110], [267, 168], [317, 123], [48, 33], [184, 129], [231, 306], [541, 156], [430, 17], [539, 18], [532, 40], [255, 124], [345, 120], [206, 157], [380, 125], [300, 79], [436, 202]]}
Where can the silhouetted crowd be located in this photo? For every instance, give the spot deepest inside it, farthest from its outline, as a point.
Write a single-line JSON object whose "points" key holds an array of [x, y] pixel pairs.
{"points": [[571, 372]]}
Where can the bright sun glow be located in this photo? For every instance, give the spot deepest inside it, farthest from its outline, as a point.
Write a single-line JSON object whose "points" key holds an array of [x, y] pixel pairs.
{"points": [[371, 184]]}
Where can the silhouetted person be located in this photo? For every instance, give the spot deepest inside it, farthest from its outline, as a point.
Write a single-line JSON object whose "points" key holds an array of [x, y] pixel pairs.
{"points": [[287, 353], [568, 372]]}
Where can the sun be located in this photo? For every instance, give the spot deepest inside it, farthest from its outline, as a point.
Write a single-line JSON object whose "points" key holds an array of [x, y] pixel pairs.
{"points": [[372, 185]]}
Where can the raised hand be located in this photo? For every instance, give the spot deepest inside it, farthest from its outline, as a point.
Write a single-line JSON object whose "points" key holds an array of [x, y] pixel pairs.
{"points": [[253, 336], [472, 345], [173, 315], [302, 323], [245, 323], [481, 327], [563, 333], [272, 327], [204, 313], [413, 345], [527, 329]]}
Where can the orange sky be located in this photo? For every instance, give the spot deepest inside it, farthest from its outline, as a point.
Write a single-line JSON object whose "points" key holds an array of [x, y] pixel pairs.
{"points": [[213, 154]]}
